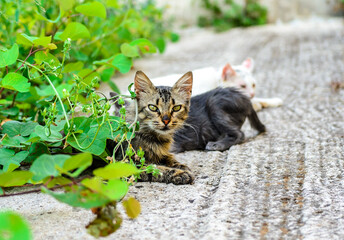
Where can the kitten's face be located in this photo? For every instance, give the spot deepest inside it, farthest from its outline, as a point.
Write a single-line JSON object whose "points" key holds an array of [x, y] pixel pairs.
{"points": [[163, 109], [240, 77]]}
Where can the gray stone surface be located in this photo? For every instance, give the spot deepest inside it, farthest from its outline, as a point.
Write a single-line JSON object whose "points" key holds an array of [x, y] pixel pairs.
{"points": [[287, 183]]}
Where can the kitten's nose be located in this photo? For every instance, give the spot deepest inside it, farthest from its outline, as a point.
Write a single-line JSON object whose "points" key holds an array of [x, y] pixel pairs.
{"points": [[165, 119], [252, 94]]}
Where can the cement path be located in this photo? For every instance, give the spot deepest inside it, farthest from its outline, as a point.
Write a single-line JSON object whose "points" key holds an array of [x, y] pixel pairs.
{"points": [[287, 183]]}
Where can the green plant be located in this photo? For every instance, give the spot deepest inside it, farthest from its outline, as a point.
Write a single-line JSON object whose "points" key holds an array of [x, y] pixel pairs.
{"points": [[53, 122], [229, 14], [12, 226]]}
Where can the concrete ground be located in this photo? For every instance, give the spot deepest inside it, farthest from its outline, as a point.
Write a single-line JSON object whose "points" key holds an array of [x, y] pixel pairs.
{"points": [[287, 183]]}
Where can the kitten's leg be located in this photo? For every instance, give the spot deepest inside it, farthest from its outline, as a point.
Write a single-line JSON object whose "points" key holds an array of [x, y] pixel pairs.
{"points": [[170, 161], [269, 102], [232, 137], [256, 105], [169, 175]]}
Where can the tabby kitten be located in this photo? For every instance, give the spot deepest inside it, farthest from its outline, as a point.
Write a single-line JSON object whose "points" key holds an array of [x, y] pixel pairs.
{"points": [[214, 122], [161, 111]]}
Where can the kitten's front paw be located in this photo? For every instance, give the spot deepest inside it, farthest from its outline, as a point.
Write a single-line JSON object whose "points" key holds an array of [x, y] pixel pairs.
{"points": [[181, 166], [276, 102], [215, 146], [180, 177]]}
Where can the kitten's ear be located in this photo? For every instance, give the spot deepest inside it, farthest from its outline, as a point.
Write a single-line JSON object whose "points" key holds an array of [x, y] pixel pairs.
{"points": [[227, 71], [184, 85], [248, 64], [142, 84]]}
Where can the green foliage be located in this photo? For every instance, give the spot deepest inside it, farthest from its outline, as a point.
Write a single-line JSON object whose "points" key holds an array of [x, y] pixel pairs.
{"points": [[12, 226], [229, 14], [54, 54], [9, 57]]}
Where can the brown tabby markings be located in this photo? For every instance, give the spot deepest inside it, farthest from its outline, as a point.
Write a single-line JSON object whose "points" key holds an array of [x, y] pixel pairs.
{"points": [[162, 110]]}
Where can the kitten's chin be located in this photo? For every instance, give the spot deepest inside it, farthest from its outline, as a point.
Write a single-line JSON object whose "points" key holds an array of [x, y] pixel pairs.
{"points": [[165, 130]]}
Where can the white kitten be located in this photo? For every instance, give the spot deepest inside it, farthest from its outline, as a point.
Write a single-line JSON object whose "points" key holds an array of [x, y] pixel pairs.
{"points": [[239, 76]]}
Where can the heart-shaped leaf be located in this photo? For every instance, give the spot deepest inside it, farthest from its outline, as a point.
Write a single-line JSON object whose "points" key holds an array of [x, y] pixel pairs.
{"points": [[44, 166], [9, 57], [95, 9], [16, 178], [116, 170], [75, 31], [122, 63], [15, 81], [13, 226]]}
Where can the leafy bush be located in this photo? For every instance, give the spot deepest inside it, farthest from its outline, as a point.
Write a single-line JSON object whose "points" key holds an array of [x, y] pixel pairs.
{"points": [[12, 226], [53, 122], [229, 14]]}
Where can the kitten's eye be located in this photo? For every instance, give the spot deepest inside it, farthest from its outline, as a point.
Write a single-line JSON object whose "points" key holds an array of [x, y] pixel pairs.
{"points": [[153, 108], [243, 85], [176, 108], [254, 85]]}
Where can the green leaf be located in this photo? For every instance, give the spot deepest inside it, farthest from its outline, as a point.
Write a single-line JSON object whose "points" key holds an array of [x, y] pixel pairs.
{"points": [[129, 51], [13, 226], [8, 156], [72, 67], [94, 9], [11, 142], [44, 166], [42, 41], [79, 162], [41, 57], [15, 81], [113, 3], [36, 150], [144, 45], [75, 31], [27, 40], [115, 189], [12, 167], [66, 4], [80, 197], [14, 128], [45, 135], [122, 63], [107, 74], [11, 111], [86, 138], [16, 178], [88, 75], [132, 207], [116, 170], [161, 44], [49, 91], [174, 37], [113, 86], [9, 57], [58, 181]]}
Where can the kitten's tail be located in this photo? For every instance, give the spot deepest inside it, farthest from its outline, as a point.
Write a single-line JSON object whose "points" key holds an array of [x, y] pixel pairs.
{"points": [[255, 122]]}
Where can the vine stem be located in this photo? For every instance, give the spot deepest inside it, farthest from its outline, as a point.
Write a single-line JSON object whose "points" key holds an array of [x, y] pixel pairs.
{"points": [[30, 53], [52, 85]]}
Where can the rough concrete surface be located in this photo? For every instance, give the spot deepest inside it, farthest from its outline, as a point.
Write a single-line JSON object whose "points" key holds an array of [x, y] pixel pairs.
{"points": [[285, 184]]}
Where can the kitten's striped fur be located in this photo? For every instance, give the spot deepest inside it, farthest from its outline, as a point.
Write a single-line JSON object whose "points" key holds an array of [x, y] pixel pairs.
{"points": [[162, 110]]}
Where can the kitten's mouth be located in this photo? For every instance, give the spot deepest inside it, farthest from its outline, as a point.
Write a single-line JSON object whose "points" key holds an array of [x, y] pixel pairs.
{"points": [[166, 128]]}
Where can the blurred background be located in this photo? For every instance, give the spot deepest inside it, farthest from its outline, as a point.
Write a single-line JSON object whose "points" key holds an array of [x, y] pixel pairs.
{"points": [[191, 12]]}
